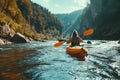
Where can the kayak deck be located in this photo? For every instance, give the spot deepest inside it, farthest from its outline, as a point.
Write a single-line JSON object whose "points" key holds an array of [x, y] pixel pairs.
{"points": [[77, 51]]}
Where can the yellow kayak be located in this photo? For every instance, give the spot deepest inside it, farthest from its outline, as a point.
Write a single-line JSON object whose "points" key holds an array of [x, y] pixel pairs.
{"points": [[77, 51]]}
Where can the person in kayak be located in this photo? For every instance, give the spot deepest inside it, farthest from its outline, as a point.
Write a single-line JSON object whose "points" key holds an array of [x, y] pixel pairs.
{"points": [[75, 39]]}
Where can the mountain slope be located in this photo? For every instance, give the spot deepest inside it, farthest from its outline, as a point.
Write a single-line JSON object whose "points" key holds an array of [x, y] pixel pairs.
{"points": [[104, 18], [14, 18], [70, 22], [29, 19]]}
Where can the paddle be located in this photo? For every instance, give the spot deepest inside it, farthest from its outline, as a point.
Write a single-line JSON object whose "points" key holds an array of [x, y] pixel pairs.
{"points": [[85, 33], [59, 44], [88, 32]]}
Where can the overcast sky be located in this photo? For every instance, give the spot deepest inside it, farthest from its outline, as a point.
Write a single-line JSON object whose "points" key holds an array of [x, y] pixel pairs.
{"points": [[62, 6]]}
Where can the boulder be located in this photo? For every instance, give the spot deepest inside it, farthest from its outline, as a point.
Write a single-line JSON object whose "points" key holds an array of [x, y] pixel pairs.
{"points": [[61, 40], [4, 42], [19, 38], [89, 42], [1, 42], [119, 42], [6, 32]]}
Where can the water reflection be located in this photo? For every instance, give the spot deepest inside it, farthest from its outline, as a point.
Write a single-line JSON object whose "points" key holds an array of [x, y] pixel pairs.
{"points": [[9, 64], [41, 61]]}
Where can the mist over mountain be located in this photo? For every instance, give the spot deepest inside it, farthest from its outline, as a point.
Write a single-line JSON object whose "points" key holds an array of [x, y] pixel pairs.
{"points": [[101, 15], [71, 21]]}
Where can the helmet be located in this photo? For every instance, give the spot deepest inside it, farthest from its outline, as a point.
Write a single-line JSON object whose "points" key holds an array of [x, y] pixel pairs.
{"points": [[75, 33]]}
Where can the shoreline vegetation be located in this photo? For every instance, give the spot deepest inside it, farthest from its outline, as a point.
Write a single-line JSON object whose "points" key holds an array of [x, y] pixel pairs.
{"points": [[23, 21], [27, 40]]}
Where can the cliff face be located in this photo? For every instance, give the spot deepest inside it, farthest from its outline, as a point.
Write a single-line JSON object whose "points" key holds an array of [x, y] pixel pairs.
{"points": [[103, 16], [96, 8], [43, 21], [9, 7], [25, 17]]}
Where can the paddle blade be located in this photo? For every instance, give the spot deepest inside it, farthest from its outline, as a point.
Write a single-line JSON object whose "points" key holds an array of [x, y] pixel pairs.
{"points": [[58, 44], [88, 32]]}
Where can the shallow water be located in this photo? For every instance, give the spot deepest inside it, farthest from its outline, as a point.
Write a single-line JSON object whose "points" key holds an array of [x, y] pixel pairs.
{"points": [[41, 61]]}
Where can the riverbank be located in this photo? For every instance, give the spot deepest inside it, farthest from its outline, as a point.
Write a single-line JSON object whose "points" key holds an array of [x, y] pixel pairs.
{"points": [[4, 42], [41, 61]]}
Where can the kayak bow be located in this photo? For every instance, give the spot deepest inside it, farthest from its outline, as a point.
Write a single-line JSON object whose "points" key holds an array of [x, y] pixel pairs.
{"points": [[77, 51]]}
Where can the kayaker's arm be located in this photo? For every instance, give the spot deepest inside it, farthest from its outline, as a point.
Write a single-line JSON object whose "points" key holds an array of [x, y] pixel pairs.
{"points": [[69, 41], [80, 39]]}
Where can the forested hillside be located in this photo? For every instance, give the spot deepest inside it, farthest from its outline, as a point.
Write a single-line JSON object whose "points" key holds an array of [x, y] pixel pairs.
{"points": [[29, 19], [71, 21]]}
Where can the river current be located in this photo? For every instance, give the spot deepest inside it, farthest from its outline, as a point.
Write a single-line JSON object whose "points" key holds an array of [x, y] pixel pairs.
{"points": [[41, 61]]}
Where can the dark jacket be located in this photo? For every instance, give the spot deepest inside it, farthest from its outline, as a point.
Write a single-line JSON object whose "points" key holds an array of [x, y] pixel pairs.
{"points": [[75, 41]]}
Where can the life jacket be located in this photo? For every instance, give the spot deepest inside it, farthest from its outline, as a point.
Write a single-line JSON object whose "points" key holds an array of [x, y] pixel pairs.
{"points": [[75, 41]]}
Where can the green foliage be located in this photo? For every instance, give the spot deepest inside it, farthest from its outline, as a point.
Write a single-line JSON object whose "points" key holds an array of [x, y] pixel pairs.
{"points": [[43, 19], [20, 15]]}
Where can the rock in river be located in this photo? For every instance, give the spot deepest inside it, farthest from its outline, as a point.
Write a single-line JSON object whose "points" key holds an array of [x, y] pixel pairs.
{"points": [[19, 38]]}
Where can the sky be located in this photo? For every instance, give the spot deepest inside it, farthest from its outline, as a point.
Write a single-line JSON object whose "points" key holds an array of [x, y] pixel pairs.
{"points": [[62, 6]]}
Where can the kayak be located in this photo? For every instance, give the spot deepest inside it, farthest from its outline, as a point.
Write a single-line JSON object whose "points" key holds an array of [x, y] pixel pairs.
{"points": [[77, 51]]}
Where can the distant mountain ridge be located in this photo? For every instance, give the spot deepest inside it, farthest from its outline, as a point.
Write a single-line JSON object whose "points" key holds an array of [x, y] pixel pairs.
{"points": [[70, 22]]}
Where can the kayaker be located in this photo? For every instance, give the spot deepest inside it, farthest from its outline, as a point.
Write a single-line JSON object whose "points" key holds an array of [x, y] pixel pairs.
{"points": [[75, 39]]}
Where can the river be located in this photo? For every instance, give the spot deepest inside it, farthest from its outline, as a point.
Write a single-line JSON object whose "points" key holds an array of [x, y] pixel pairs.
{"points": [[41, 61]]}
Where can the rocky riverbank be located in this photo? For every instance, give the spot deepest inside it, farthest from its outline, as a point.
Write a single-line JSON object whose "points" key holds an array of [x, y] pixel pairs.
{"points": [[9, 36]]}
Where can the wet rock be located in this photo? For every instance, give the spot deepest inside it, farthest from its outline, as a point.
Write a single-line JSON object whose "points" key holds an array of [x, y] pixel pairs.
{"points": [[103, 41], [4, 42], [1, 42], [30, 39], [6, 32], [61, 40], [19, 38], [119, 42], [89, 42], [7, 42], [43, 40]]}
